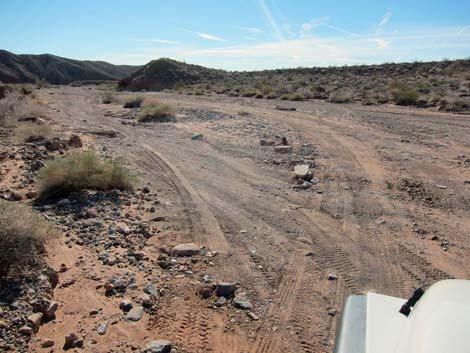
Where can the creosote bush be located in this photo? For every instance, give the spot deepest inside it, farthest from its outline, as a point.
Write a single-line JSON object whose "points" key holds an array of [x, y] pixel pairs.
{"points": [[22, 237], [158, 112], [133, 102], [82, 170], [107, 97], [28, 131], [403, 94]]}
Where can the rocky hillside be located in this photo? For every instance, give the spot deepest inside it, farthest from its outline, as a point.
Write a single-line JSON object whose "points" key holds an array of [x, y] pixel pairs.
{"points": [[444, 84], [167, 74], [57, 70]]}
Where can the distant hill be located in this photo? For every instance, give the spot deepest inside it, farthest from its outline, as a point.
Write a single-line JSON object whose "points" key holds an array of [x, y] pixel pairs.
{"points": [[53, 69], [442, 84], [166, 73]]}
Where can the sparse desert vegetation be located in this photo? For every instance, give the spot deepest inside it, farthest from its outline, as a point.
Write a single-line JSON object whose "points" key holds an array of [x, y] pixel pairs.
{"points": [[133, 102], [83, 170], [30, 131], [412, 84], [157, 112], [23, 234]]}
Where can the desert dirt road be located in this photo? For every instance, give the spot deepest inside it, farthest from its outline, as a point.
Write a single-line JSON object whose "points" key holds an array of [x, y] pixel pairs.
{"points": [[390, 213]]}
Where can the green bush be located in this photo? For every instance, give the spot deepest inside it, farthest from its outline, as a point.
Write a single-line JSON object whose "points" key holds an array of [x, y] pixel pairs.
{"points": [[22, 237], [133, 102], [82, 170]]}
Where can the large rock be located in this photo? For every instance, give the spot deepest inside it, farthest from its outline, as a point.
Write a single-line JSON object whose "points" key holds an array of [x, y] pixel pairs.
{"points": [[226, 289], [188, 249], [158, 346]]}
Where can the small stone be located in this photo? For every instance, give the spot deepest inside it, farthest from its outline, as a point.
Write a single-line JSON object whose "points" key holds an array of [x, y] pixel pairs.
{"points": [[26, 330], [35, 320], [332, 312], [146, 189], [253, 316], [102, 328], [242, 302], [75, 141], [197, 137], [205, 292], [302, 171], [332, 277], [47, 343], [125, 305], [158, 346], [187, 249], [151, 290], [135, 314], [283, 149], [3, 325], [263, 142]]}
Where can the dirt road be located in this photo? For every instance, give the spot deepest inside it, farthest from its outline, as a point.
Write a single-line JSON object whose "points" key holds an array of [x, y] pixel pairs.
{"points": [[391, 211]]}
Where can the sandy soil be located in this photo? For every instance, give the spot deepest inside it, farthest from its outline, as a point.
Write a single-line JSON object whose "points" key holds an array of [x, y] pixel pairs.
{"points": [[391, 213]]}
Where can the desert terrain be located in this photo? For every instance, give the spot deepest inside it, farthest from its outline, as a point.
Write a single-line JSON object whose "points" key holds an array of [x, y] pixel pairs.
{"points": [[384, 206]]}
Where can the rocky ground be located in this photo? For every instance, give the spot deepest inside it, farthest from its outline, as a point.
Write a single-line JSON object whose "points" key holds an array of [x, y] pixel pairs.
{"points": [[251, 223]]}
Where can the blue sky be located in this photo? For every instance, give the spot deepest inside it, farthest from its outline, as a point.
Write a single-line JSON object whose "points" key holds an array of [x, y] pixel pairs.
{"points": [[239, 35]]}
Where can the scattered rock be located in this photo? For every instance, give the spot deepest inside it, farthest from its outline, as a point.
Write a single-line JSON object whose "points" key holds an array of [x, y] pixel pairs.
{"points": [[151, 290], [75, 141], [72, 341], [158, 346], [197, 137], [242, 302], [26, 330], [102, 328], [35, 320], [263, 142], [125, 305], [283, 149], [135, 314], [187, 249], [332, 277], [253, 316], [47, 343], [302, 171]]}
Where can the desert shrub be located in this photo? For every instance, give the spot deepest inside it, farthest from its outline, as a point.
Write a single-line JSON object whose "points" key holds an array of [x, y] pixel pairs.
{"points": [[133, 102], [403, 94], [82, 170], [107, 97], [248, 93], [22, 237], [292, 97], [158, 112], [340, 96], [27, 131], [406, 96]]}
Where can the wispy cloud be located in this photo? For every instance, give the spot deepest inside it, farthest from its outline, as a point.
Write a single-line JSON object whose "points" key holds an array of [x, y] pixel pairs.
{"points": [[385, 19], [251, 30], [463, 29], [151, 40], [272, 21], [204, 35], [315, 51]]}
